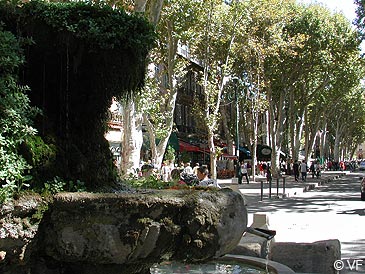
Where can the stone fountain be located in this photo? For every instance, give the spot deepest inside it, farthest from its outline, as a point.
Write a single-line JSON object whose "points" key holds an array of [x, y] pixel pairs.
{"points": [[120, 233], [73, 74]]}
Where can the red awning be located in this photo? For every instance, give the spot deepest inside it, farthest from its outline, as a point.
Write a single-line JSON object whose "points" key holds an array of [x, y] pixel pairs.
{"points": [[229, 156], [183, 146]]}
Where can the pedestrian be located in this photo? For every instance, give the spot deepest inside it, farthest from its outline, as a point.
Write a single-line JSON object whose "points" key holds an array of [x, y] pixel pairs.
{"points": [[303, 169], [312, 168], [264, 168], [288, 167], [165, 172], [268, 173], [243, 173], [296, 170], [318, 170], [195, 169], [261, 169], [188, 169]]}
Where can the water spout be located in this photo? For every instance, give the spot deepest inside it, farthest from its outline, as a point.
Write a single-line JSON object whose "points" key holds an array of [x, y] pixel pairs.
{"points": [[265, 233]]}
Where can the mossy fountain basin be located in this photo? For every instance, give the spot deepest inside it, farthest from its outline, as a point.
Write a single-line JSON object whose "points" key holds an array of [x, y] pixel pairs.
{"points": [[128, 232]]}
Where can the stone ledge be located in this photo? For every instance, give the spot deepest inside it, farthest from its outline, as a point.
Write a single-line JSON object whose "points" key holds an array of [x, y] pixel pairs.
{"points": [[316, 257]]}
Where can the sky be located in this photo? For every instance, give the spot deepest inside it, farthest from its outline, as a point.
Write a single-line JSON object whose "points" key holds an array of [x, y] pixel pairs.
{"points": [[346, 6]]}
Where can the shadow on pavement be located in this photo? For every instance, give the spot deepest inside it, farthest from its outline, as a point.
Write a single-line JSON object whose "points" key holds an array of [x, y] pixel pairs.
{"points": [[323, 199]]}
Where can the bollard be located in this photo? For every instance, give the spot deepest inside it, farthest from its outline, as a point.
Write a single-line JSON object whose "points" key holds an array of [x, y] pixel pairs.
{"points": [[262, 190], [277, 187], [270, 180]]}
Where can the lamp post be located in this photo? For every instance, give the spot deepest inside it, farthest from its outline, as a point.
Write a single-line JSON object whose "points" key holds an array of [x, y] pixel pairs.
{"points": [[237, 131], [236, 97]]}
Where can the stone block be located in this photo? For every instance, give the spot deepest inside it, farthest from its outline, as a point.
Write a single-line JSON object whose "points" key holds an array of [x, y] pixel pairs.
{"points": [[317, 257], [253, 245], [260, 220]]}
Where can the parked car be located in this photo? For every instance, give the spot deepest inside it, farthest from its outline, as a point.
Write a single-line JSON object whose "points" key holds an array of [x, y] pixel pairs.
{"points": [[362, 189]]}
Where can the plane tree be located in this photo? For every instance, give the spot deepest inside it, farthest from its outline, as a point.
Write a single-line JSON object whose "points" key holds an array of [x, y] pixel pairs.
{"points": [[262, 45], [213, 45], [254, 42], [314, 73], [167, 70]]}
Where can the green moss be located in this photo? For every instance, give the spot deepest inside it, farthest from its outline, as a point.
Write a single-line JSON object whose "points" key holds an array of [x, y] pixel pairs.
{"points": [[38, 215]]}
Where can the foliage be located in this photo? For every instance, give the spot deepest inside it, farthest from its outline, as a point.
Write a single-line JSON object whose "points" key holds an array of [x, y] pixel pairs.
{"points": [[153, 182], [58, 184], [40, 152], [150, 182], [99, 25], [157, 102], [40, 156], [82, 55], [170, 154], [38, 215], [16, 116], [360, 12]]}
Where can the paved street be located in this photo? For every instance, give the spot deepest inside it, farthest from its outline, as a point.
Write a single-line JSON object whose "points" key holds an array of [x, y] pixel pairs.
{"points": [[330, 211]]}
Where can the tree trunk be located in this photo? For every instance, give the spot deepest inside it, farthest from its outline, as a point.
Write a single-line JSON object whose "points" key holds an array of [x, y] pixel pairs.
{"points": [[168, 107], [228, 136], [212, 155], [338, 136], [155, 11], [322, 143], [276, 120], [132, 139], [254, 144], [140, 5], [299, 135], [292, 127], [272, 129]]}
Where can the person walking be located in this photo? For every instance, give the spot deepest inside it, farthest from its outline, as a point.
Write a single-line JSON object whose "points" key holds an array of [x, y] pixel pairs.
{"points": [[268, 174], [303, 170], [296, 170], [243, 172], [312, 168]]}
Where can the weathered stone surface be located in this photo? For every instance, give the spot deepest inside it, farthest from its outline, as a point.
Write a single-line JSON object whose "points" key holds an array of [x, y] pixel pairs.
{"points": [[317, 257], [128, 232], [253, 245], [120, 228], [18, 227]]}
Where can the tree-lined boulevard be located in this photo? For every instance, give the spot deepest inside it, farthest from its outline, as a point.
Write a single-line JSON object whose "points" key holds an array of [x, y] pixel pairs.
{"points": [[298, 70]]}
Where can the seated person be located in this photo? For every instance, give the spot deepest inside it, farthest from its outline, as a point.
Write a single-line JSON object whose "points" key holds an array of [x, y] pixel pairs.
{"points": [[203, 175]]}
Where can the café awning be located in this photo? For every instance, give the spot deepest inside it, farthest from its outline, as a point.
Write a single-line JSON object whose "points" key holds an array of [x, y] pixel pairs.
{"points": [[184, 146], [229, 156]]}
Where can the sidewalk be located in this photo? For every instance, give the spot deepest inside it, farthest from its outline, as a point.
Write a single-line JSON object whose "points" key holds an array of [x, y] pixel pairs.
{"points": [[301, 217], [252, 191]]}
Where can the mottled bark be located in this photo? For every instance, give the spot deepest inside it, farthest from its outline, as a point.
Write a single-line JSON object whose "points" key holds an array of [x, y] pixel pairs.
{"points": [[132, 139]]}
